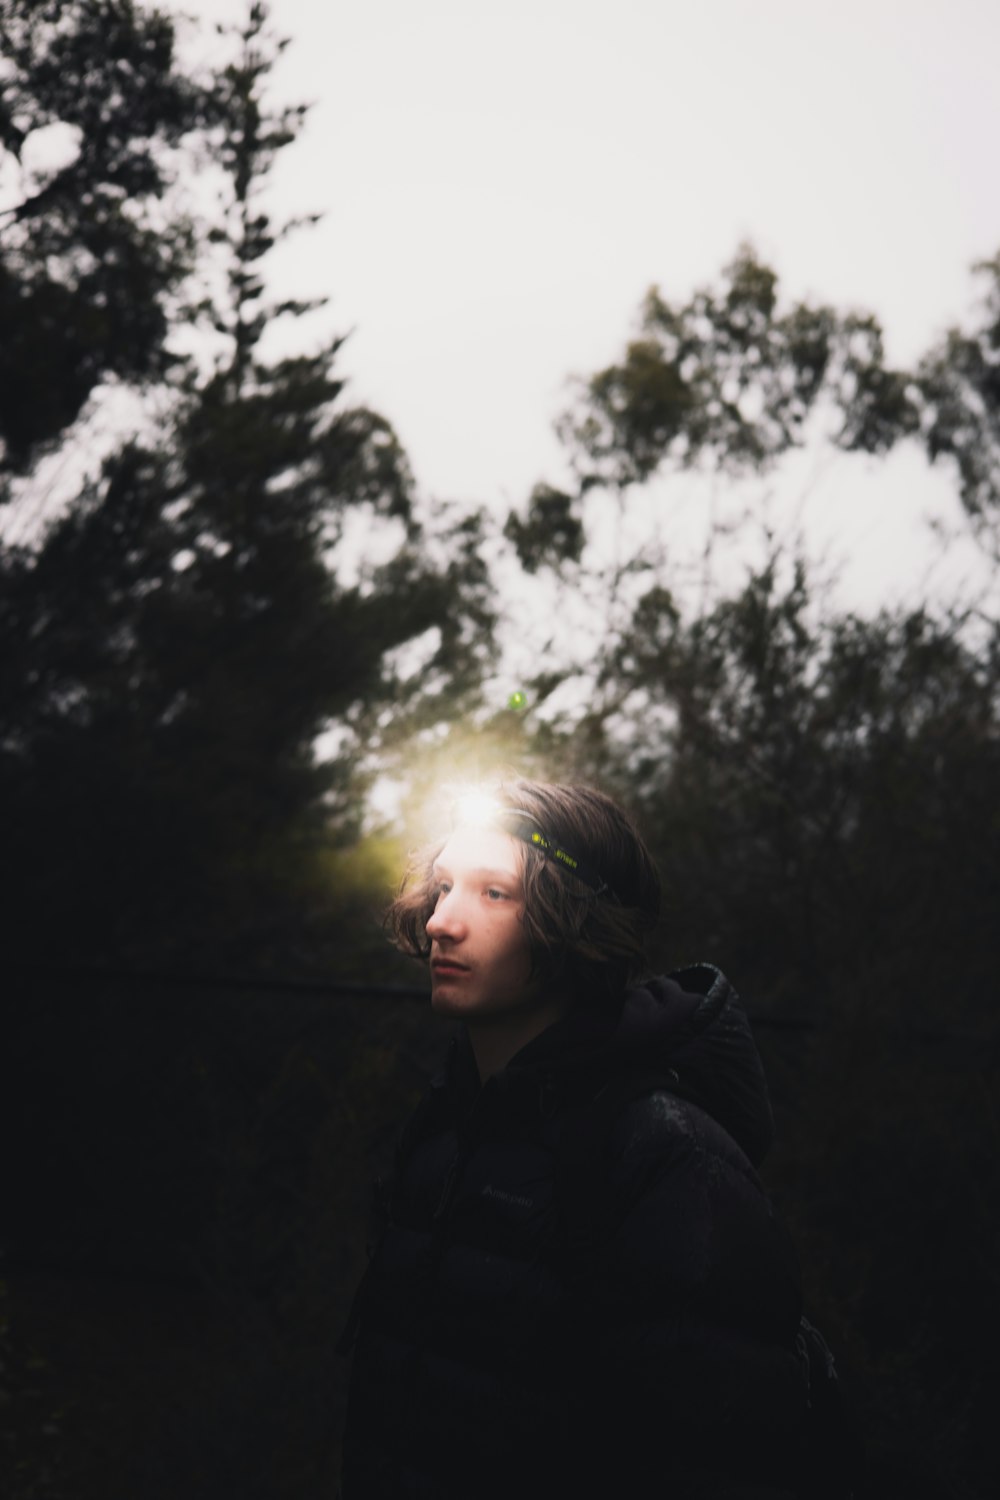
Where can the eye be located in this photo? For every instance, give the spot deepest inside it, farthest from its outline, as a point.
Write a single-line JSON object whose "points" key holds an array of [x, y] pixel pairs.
{"points": [[440, 889], [495, 894]]}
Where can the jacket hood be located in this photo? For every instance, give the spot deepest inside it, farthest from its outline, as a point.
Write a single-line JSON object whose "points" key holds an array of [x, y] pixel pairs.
{"points": [[687, 1028], [693, 1020]]}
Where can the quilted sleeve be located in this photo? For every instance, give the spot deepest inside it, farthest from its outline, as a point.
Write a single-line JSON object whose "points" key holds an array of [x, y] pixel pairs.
{"points": [[693, 1303]]}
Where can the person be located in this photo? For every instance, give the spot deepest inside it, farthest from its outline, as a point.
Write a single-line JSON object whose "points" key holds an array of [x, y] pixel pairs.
{"points": [[578, 1286]]}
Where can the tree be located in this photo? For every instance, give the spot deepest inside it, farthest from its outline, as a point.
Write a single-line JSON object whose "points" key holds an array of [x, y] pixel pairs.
{"points": [[727, 381], [188, 639], [89, 259], [819, 791], [959, 386], [803, 775], [817, 748]]}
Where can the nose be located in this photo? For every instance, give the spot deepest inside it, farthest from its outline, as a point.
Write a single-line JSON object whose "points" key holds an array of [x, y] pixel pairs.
{"points": [[446, 920]]}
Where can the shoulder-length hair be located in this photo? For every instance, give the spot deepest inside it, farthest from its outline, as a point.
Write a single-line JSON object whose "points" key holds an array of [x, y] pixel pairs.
{"points": [[584, 941]]}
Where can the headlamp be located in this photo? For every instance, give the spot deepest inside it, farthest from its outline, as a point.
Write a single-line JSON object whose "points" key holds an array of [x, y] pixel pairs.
{"points": [[475, 806]]}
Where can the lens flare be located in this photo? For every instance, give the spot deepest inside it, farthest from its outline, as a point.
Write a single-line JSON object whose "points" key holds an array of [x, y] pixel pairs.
{"points": [[476, 806]]}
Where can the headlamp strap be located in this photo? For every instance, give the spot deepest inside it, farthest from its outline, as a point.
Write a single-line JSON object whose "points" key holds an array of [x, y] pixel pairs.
{"points": [[523, 826]]}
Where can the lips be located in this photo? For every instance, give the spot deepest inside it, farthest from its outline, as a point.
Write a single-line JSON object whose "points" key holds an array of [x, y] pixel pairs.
{"points": [[444, 968]]}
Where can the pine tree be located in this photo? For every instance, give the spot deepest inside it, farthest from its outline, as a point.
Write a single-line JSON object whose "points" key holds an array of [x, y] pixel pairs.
{"points": [[188, 640], [89, 260]]}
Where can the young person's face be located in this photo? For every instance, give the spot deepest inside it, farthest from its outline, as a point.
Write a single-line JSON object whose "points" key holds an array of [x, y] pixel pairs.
{"points": [[480, 960]]}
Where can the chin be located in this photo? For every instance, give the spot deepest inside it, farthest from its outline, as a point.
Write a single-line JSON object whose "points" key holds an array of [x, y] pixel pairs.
{"points": [[445, 1005]]}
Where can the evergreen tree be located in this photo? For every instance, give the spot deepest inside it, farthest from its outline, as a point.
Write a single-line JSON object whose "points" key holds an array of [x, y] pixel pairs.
{"points": [[89, 258], [186, 638]]}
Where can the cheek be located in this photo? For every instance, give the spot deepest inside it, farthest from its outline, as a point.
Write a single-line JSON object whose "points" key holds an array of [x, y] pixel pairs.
{"points": [[508, 948], [518, 952]]}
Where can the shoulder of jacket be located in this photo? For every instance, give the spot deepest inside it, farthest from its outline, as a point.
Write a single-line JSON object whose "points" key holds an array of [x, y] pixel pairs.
{"points": [[660, 1125]]}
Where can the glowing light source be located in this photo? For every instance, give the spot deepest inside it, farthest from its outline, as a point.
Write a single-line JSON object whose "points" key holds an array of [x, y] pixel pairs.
{"points": [[474, 805], [478, 807], [517, 700]]}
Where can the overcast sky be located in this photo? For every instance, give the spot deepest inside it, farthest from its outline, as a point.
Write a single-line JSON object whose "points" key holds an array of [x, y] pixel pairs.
{"points": [[503, 182]]}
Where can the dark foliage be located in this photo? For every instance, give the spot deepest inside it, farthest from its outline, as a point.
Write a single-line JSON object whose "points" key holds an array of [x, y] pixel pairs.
{"points": [[960, 391], [187, 1168], [820, 793], [189, 1193], [88, 258], [729, 380], [176, 642]]}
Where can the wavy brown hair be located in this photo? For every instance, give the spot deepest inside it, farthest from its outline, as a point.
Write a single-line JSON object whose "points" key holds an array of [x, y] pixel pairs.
{"points": [[582, 941]]}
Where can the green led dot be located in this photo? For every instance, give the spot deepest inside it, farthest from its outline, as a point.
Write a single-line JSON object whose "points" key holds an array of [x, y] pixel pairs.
{"points": [[517, 700]]}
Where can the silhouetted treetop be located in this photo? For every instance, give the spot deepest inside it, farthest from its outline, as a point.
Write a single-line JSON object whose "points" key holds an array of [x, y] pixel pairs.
{"points": [[177, 641], [729, 379], [960, 391]]}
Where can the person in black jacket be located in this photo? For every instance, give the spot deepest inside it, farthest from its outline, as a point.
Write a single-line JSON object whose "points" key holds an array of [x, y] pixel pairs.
{"points": [[579, 1286]]}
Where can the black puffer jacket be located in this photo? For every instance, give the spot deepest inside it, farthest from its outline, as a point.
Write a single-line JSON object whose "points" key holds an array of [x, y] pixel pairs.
{"points": [[528, 1329]]}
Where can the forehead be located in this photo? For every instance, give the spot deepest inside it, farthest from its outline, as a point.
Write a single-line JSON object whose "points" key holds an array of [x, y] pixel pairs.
{"points": [[475, 847]]}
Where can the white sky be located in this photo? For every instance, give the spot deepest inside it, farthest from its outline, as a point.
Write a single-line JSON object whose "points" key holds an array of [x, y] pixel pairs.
{"points": [[502, 183]]}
